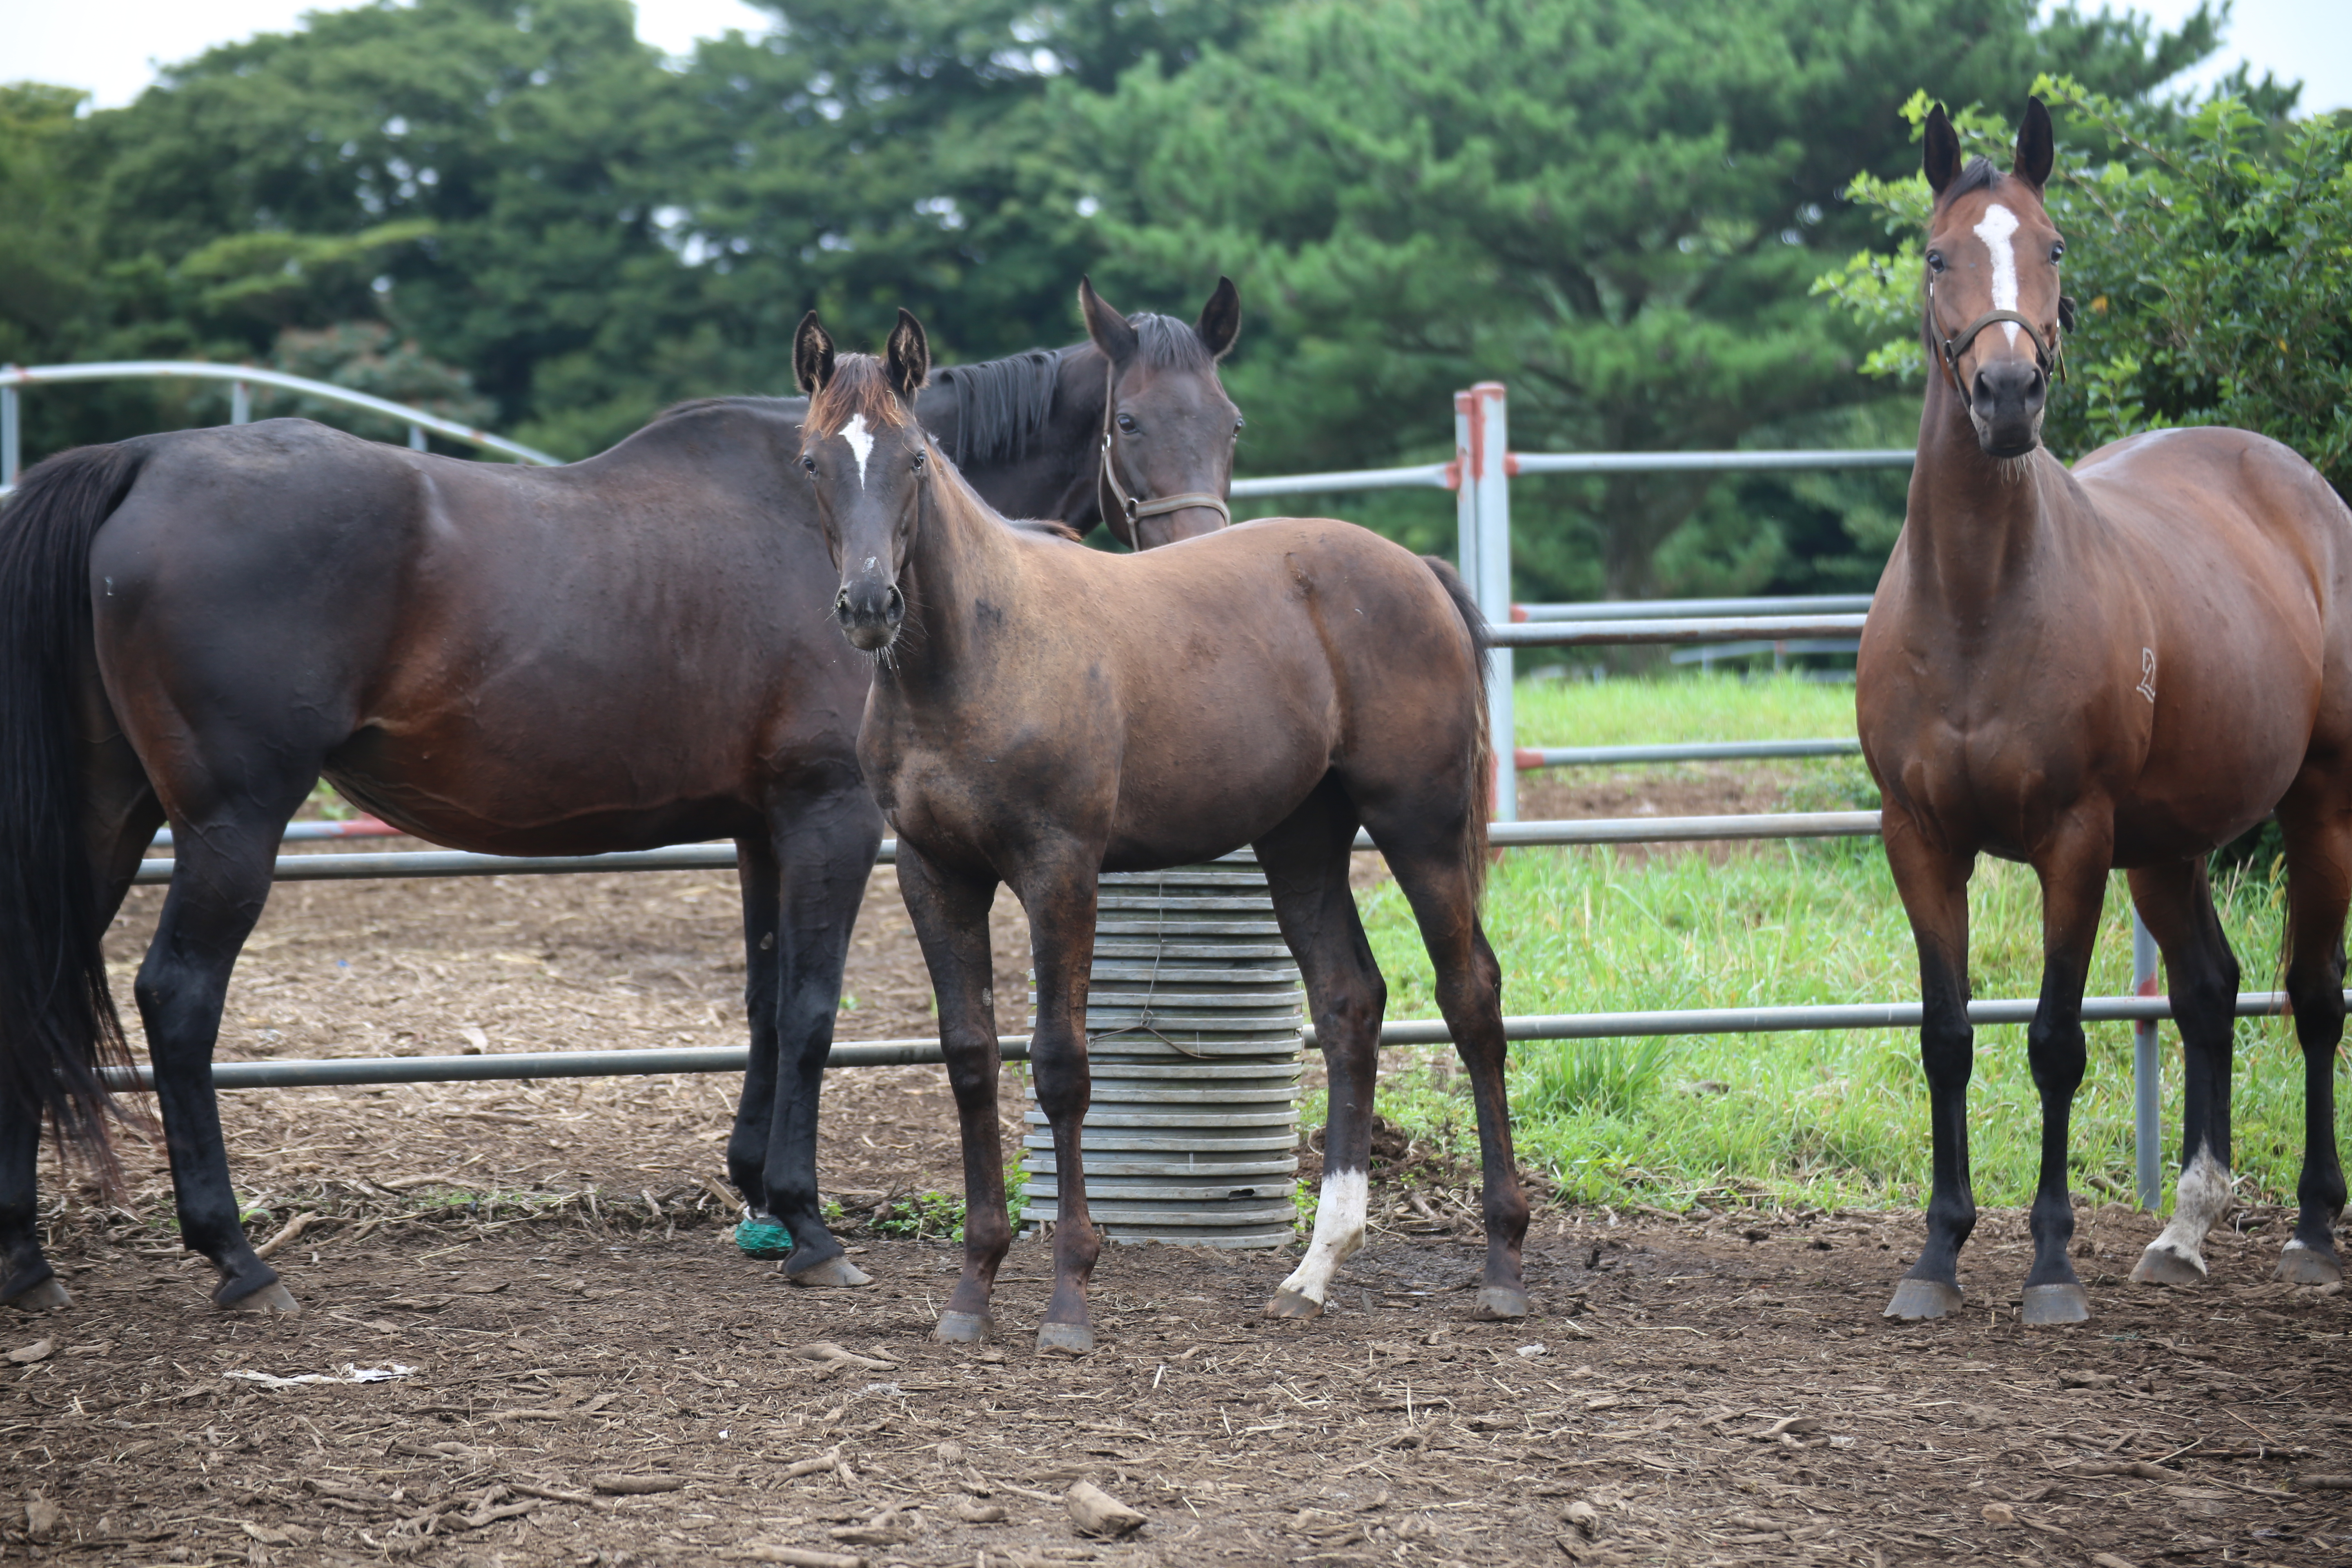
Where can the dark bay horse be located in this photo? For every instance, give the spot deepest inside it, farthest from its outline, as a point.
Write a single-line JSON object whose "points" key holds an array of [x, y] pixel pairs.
{"points": [[2123, 665], [1041, 712], [625, 652]]}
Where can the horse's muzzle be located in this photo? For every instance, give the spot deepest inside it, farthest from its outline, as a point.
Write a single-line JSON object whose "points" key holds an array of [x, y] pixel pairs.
{"points": [[870, 614], [2006, 400]]}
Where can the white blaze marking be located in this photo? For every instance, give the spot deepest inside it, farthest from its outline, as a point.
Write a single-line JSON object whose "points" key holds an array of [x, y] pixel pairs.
{"points": [[861, 440], [1998, 223], [1338, 1233], [2204, 1195]]}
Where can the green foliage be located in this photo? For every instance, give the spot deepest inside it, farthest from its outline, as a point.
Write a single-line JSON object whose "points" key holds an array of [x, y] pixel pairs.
{"points": [[1601, 1077], [2211, 250], [1614, 207], [931, 1216]]}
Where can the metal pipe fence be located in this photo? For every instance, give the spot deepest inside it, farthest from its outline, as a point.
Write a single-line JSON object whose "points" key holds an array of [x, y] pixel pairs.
{"points": [[243, 378]]}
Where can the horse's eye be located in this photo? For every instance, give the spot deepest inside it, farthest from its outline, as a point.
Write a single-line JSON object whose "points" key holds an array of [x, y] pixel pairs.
{"points": [[809, 463], [2057, 253], [1238, 423], [918, 456], [1934, 261], [1127, 423]]}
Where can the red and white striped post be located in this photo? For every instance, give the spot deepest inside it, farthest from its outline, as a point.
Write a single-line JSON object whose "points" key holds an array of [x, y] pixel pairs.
{"points": [[1483, 510]]}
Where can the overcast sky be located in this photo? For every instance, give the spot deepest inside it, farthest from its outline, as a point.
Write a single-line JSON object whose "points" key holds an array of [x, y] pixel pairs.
{"points": [[109, 47]]}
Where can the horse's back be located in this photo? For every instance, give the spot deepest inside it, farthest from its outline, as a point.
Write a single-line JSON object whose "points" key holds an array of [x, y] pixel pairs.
{"points": [[535, 660]]}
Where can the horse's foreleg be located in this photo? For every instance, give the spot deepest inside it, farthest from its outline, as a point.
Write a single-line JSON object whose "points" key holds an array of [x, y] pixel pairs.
{"points": [[1059, 897], [2074, 890], [2319, 887], [220, 880], [828, 856], [1934, 887], [1306, 864], [1435, 877], [951, 918], [2176, 903], [747, 1142]]}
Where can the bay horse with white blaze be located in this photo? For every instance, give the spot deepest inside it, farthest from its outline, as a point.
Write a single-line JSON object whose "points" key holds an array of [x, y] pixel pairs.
{"points": [[618, 654], [2123, 665], [1041, 712]]}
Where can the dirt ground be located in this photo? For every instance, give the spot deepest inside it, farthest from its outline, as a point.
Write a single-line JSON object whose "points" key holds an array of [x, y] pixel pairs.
{"points": [[587, 1374]]}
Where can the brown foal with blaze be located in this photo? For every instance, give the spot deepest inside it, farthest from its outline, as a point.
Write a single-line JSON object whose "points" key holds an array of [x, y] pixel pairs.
{"points": [[2123, 665], [1041, 712]]}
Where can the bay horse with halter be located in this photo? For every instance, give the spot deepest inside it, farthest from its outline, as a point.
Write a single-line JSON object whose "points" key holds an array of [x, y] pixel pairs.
{"points": [[2123, 665], [1041, 712], [619, 654]]}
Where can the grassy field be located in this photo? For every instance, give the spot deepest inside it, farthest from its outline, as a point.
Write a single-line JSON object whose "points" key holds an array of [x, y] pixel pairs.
{"points": [[1828, 1118]]}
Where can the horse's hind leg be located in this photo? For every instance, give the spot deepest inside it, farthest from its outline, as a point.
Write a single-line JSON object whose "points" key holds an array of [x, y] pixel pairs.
{"points": [[121, 816], [220, 880], [1306, 864], [2176, 903], [2319, 888], [1432, 865]]}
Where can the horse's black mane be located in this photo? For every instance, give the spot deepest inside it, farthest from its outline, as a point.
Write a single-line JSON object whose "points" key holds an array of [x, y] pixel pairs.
{"points": [[1001, 404], [1979, 176], [1005, 405]]}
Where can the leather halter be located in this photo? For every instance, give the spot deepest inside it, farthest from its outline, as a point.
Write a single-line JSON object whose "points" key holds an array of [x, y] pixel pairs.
{"points": [[1131, 510], [2050, 356]]}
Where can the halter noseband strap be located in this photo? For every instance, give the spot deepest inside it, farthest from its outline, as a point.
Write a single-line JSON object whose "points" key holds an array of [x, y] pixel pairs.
{"points": [[1112, 497], [2050, 356]]}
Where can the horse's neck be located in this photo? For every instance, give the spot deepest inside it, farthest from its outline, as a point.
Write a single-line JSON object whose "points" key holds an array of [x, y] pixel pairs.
{"points": [[958, 568], [1977, 525]]}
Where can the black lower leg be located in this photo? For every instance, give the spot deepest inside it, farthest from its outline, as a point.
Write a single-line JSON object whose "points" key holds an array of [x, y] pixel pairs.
{"points": [[1947, 1055], [2318, 1003], [25, 1278]]}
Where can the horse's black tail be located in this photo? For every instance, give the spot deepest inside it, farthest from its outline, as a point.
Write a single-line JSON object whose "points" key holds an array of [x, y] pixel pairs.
{"points": [[1482, 749], [58, 1024]]}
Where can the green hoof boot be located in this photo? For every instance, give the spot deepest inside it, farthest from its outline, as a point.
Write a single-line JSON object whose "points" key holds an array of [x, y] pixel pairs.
{"points": [[759, 1236]]}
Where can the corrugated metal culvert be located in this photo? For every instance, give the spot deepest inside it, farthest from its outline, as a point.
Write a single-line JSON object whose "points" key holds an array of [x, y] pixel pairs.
{"points": [[1194, 1024]]}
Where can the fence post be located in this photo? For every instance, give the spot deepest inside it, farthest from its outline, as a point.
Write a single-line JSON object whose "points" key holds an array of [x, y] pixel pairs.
{"points": [[416, 438], [240, 404], [1465, 495], [1490, 448], [2147, 1079], [11, 450]]}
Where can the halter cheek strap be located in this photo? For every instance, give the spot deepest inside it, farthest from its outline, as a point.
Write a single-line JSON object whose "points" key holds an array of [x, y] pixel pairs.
{"points": [[1121, 511]]}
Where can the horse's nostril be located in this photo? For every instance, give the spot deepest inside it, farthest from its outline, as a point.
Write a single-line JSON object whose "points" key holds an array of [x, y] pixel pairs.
{"points": [[894, 604], [841, 604]]}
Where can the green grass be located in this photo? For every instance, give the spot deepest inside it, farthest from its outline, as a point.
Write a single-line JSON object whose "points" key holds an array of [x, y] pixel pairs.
{"points": [[1623, 712], [1832, 1118]]}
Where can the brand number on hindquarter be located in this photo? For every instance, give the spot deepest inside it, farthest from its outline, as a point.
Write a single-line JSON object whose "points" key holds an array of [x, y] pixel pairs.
{"points": [[2146, 687]]}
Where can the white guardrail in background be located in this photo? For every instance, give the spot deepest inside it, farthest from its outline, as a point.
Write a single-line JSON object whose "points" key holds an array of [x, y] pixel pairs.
{"points": [[242, 379]]}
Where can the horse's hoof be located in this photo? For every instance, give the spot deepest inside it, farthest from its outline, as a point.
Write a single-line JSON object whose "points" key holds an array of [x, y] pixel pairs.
{"points": [[1064, 1339], [48, 1296], [964, 1328], [1499, 1303], [834, 1271], [2302, 1265], [2047, 1304], [1918, 1298], [2159, 1265], [763, 1238], [271, 1298], [1293, 1304]]}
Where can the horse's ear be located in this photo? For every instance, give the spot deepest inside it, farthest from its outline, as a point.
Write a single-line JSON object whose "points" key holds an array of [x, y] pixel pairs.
{"points": [[907, 354], [1220, 319], [812, 356], [1943, 158], [2037, 146], [1106, 326]]}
